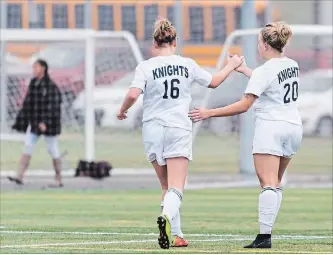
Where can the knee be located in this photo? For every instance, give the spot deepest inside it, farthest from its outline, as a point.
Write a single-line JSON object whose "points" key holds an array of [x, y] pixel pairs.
{"points": [[268, 182]]}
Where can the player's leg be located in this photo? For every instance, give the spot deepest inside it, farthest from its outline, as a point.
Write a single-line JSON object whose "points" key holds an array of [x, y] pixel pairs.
{"points": [[177, 170], [290, 147], [53, 149], [177, 152], [29, 144], [162, 175], [282, 168], [267, 167], [153, 136], [176, 232], [266, 153]]}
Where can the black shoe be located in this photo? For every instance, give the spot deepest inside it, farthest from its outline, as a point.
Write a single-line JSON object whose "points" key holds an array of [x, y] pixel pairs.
{"points": [[262, 241], [16, 180], [164, 239]]}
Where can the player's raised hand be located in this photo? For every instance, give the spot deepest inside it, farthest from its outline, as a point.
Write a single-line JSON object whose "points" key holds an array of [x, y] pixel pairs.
{"points": [[198, 114], [242, 67], [235, 61], [121, 115]]}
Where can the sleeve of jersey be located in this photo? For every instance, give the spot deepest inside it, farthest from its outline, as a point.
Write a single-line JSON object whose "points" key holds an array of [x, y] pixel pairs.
{"points": [[258, 83], [139, 80], [201, 76]]}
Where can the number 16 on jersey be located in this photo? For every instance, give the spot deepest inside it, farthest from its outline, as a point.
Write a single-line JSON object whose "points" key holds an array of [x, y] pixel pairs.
{"points": [[172, 86]]}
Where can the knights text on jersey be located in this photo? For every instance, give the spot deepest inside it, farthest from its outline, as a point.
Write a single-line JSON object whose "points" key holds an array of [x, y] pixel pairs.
{"points": [[166, 85], [276, 84]]}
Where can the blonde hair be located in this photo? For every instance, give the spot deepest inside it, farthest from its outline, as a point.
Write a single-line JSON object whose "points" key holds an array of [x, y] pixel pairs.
{"points": [[164, 32], [276, 35]]}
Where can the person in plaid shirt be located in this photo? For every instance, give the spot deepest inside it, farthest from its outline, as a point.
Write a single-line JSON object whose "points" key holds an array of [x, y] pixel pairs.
{"points": [[40, 115]]}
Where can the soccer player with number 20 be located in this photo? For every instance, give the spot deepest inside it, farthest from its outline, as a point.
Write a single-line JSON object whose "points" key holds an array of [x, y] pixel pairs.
{"points": [[273, 89], [165, 81]]}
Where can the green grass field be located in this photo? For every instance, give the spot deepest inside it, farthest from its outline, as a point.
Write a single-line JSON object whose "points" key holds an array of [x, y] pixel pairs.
{"points": [[125, 150], [86, 222]]}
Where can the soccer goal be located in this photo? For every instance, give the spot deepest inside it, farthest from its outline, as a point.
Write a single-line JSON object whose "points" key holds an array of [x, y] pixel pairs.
{"points": [[92, 69], [225, 143]]}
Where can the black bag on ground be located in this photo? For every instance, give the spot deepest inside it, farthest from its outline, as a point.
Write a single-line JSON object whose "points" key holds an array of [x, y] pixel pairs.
{"points": [[96, 170]]}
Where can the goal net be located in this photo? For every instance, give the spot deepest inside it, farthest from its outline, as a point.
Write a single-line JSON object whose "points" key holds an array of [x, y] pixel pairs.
{"points": [[92, 70], [217, 141], [223, 144]]}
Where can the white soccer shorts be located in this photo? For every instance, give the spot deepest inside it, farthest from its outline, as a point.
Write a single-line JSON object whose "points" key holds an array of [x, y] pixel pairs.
{"points": [[161, 142], [51, 142], [277, 138]]}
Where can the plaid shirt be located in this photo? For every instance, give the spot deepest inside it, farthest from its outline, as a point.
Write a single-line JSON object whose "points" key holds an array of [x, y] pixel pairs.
{"points": [[42, 104]]}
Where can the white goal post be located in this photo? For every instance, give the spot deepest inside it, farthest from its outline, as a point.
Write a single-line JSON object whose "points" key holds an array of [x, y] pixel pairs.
{"points": [[298, 30], [66, 35]]}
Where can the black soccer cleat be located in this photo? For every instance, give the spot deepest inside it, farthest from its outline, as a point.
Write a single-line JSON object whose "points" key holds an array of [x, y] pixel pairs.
{"points": [[262, 241], [164, 227]]}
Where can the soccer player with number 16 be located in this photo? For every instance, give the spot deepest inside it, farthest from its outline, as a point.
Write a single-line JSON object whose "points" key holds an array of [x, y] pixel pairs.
{"points": [[165, 81]]}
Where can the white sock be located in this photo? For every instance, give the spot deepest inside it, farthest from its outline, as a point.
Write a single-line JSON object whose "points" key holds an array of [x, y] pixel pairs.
{"points": [[175, 224], [279, 200], [172, 201], [268, 200]]}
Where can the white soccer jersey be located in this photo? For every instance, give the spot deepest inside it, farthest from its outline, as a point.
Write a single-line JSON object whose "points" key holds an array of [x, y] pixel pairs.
{"points": [[166, 85], [276, 84]]}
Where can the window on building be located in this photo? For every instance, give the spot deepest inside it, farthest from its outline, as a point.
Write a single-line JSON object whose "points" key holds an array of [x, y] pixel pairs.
{"points": [[196, 24], [150, 14], [105, 17], [128, 21], [14, 16], [60, 16], [40, 19], [219, 23], [79, 16], [170, 14]]}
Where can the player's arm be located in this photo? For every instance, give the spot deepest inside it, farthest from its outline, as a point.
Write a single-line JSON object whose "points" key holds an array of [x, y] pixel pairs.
{"points": [[236, 108], [136, 89], [233, 62], [130, 99], [244, 69], [258, 83]]}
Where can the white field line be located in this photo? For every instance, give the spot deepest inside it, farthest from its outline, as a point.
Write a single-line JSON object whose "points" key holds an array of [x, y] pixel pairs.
{"points": [[154, 234], [110, 242], [135, 241], [105, 233], [75, 244]]}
